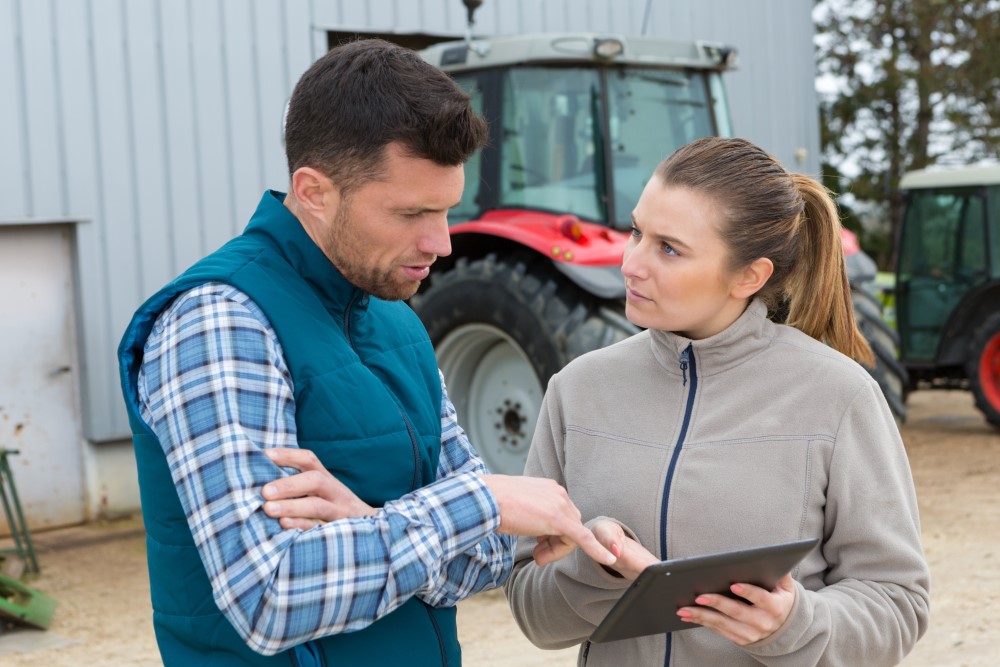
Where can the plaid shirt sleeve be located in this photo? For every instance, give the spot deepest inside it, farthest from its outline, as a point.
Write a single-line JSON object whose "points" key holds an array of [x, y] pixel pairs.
{"points": [[215, 389]]}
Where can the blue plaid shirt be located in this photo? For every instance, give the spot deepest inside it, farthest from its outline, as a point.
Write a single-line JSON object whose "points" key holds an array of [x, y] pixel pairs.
{"points": [[215, 389]]}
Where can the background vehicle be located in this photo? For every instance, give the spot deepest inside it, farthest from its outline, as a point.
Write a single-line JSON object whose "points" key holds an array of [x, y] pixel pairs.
{"points": [[947, 288], [577, 122]]}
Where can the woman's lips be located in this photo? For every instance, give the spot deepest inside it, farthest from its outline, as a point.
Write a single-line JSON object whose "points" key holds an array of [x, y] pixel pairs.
{"points": [[634, 296]]}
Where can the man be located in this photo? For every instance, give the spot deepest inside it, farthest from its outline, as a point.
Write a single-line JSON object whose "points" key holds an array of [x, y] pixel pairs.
{"points": [[284, 367]]}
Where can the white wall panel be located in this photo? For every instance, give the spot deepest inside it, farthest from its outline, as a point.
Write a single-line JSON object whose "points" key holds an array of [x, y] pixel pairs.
{"points": [[44, 160], [271, 82], [148, 152], [116, 183], [183, 170], [83, 168], [14, 164], [243, 123]]}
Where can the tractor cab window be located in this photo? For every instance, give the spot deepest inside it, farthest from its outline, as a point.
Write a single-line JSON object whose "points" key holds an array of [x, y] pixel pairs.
{"points": [[469, 207], [942, 256], [994, 231], [574, 139], [549, 121], [653, 112]]}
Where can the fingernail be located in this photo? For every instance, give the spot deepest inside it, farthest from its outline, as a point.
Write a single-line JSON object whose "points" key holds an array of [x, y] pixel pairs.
{"points": [[272, 508], [701, 600], [737, 589], [616, 551], [269, 491], [270, 453]]}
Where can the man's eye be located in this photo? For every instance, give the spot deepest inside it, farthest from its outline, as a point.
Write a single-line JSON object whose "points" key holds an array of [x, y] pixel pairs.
{"points": [[635, 232], [669, 249]]}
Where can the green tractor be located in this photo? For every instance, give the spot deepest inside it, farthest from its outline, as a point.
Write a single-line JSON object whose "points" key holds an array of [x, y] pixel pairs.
{"points": [[947, 289]]}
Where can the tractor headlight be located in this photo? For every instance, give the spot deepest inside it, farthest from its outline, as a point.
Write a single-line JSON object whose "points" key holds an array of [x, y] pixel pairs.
{"points": [[608, 47]]}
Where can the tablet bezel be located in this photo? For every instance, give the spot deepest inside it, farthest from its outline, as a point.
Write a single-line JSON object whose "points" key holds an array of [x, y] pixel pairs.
{"points": [[649, 605]]}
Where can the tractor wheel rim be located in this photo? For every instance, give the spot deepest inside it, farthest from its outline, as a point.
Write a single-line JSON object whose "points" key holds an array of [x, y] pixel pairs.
{"points": [[496, 392], [989, 371]]}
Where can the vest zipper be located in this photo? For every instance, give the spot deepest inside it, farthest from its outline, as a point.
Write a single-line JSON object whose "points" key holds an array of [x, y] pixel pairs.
{"points": [[416, 450], [347, 320], [437, 633], [409, 429], [687, 362]]}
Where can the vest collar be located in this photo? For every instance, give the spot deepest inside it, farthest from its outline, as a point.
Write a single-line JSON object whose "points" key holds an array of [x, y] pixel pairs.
{"points": [[276, 225], [749, 335]]}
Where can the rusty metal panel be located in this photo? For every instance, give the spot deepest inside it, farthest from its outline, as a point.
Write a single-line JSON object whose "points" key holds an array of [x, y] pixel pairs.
{"points": [[39, 371]]}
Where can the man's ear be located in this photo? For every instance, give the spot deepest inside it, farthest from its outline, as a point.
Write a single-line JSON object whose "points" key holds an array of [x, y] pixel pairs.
{"points": [[752, 278], [314, 192]]}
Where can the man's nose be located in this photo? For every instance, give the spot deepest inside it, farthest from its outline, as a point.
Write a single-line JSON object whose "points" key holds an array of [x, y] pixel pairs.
{"points": [[437, 240]]}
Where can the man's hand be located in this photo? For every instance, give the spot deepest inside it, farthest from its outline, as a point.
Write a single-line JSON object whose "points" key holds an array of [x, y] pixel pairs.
{"points": [[744, 622], [310, 498], [633, 558], [541, 508]]}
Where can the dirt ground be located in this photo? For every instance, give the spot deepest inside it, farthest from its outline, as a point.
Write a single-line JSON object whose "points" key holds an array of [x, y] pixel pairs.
{"points": [[98, 572]]}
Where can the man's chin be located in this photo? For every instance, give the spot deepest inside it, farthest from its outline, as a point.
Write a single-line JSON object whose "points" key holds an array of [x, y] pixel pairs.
{"points": [[398, 292]]}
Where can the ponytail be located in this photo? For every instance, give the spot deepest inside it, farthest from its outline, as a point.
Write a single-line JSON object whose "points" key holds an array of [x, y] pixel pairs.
{"points": [[818, 291]]}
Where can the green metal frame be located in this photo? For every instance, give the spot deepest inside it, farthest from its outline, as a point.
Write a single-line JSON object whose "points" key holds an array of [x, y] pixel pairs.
{"points": [[23, 546]]}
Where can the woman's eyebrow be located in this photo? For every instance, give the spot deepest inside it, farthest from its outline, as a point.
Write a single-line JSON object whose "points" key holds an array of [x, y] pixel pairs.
{"points": [[672, 241]]}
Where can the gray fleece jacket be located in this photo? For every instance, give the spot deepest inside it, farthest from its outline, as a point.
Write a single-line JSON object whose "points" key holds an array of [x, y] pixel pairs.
{"points": [[754, 436]]}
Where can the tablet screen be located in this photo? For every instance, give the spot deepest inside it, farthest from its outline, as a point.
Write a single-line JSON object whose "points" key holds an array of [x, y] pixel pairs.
{"points": [[649, 606]]}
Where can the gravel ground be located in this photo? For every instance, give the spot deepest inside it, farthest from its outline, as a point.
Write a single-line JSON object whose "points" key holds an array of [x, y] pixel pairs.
{"points": [[98, 572]]}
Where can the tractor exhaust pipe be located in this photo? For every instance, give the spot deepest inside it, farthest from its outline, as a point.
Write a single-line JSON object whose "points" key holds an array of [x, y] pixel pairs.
{"points": [[471, 6]]}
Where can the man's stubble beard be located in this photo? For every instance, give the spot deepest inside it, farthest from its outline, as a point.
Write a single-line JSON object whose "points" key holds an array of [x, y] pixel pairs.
{"points": [[344, 238]]}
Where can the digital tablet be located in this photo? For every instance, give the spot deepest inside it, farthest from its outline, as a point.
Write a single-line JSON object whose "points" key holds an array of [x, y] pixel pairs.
{"points": [[649, 606]]}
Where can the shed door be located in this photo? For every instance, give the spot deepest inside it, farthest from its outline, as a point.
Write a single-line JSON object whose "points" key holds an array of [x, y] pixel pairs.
{"points": [[38, 373]]}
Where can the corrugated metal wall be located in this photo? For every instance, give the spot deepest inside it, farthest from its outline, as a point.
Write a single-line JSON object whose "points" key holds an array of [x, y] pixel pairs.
{"points": [[159, 120]]}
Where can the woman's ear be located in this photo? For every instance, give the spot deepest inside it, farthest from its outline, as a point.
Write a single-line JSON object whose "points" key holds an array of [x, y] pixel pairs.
{"points": [[752, 278]]}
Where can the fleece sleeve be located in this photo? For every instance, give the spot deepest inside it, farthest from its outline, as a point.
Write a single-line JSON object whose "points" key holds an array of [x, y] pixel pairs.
{"points": [[875, 605], [557, 605]]}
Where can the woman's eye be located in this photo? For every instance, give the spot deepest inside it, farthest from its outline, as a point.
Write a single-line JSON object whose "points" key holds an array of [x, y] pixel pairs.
{"points": [[635, 232]]}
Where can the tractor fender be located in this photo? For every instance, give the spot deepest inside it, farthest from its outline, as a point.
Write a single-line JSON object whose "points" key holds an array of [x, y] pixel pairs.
{"points": [[977, 305], [589, 255]]}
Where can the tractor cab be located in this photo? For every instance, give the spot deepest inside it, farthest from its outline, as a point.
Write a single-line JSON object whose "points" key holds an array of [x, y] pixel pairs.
{"points": [[948, 281], [578, 122]]}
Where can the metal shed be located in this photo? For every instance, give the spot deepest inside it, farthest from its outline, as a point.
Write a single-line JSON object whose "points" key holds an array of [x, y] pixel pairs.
{"points": [[137, 136]]}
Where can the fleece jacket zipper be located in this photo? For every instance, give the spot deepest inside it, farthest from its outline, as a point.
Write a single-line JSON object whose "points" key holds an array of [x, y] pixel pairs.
{"points": [[688, 371]]}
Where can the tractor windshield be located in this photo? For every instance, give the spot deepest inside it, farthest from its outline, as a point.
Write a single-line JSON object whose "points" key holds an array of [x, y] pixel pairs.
{"points": [[942, 256], [584, 140]]}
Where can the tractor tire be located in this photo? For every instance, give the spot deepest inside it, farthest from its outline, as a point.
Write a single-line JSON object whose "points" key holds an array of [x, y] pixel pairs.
{"points": [[888, 372], [983, 368], [501, 327]]}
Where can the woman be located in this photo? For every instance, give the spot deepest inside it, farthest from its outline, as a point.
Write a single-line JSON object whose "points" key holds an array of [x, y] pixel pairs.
{"points": [[717, 429]]}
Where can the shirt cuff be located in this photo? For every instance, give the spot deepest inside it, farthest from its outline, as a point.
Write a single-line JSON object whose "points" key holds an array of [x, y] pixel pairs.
{"points": [[465, 514]]}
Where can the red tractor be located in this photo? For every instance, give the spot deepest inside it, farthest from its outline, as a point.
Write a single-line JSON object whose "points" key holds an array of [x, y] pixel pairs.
{"points": [[577, 125]]}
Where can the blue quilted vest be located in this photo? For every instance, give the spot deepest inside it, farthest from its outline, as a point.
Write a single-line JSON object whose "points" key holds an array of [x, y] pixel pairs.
{"points": [[368, 401]]}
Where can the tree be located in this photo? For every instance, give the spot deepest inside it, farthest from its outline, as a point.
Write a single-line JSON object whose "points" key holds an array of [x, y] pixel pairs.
{"points": [[914, 83]]}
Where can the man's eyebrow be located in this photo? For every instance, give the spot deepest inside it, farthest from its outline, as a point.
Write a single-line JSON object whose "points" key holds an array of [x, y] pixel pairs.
{"points": [[672, 241], [425, 209]]}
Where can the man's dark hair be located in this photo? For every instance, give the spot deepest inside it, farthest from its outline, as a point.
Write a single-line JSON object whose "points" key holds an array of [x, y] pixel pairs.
{"points": [[365, 94]]}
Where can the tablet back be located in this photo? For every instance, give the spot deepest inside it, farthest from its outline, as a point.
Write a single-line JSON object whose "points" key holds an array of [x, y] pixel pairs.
{"points": [[649, 606]]}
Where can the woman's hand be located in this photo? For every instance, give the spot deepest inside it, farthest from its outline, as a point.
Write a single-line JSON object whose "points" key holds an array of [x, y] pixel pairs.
{"points": [[310, 498], [744, 622], [632, 557]]}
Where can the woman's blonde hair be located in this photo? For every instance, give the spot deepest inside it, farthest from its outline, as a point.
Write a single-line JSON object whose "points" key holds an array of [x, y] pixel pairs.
{"points": [[787, 218]]}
